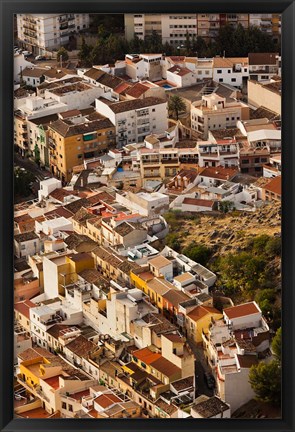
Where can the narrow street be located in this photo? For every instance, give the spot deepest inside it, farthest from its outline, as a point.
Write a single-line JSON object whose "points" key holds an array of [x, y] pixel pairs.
{"points": [[200, 368], [30, 166]]}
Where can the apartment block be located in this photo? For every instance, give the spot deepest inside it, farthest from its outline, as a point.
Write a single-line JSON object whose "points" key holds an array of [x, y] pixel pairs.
{"points": [[135, 119], [41, 33], [74, 138]]}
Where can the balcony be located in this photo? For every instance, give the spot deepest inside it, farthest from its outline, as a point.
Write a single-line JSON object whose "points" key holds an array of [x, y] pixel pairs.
{"points": [[53, 320], [170, 161], [29, 34], [209, 154], [52, 143], [29, 26], [41, 394], [151, 162]]}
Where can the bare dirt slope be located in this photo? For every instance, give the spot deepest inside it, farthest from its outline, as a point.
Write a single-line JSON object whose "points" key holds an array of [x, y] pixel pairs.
{"points": [[230, 232]]}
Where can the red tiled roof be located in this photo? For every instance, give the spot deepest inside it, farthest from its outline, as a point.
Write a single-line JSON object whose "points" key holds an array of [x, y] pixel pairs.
{"points": [[59, 212], [105, 400], [198, 202], [241, 310], [24, 307], [201, 311], [165, 366], [121, 88], [275, 185], [174, 338], [180, 71], [137, 90], [219, 172], [146, 355], [60, 194], [70, 113], [53, 382]]}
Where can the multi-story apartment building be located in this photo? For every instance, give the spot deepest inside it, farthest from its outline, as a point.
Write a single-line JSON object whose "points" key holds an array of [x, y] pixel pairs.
{"points": [[73, 138], [41, 33], [135, 119], [268, 23], [208, 25], [173, 28], [214, 112]]}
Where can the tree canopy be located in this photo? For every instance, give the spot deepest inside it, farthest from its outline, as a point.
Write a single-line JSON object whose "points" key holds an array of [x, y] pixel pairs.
{"points": [[176, 104], [265, 379], [111, 44], [277, 344], [62, 53]]}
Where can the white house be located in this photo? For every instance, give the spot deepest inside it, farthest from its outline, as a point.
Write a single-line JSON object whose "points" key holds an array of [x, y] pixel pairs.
{"points": [[181, 76], [48, 186], [134, 119], [233, 71], [26, 244]]}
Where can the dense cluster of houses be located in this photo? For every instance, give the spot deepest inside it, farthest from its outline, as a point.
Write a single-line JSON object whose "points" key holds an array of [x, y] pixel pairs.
{"points": [[107, 323]]}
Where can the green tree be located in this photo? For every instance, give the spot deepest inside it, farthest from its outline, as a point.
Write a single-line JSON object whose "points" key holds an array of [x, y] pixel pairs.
{"points": [[153, 43], [37, 154], [173, 242], [265, 379], [84, 53], [177, 105], [277, 344], [22, 180], [273, 247], [265, 299], [188, 45], [226, 206], [198, 252], [62, 54]]}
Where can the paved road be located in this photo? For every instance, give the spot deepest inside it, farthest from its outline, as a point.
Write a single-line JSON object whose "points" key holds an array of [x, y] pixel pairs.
{"points": [[201, 367], [31, 167]]}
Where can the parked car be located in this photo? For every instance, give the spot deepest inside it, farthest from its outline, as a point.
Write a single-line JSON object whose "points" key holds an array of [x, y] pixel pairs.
{"points": [[210, 381], [40, 57], [27, 53]]}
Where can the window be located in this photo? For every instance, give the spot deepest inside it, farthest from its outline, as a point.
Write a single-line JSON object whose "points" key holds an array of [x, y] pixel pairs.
{"points": [[245, 161], [233, 80], [256, 160], [71, 408], [219, 71], [220, 79], [64, 405], [228, 71]]}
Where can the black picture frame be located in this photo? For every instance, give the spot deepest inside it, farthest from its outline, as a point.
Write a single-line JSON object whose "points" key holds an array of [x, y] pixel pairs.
{"points": [[8, 9]]}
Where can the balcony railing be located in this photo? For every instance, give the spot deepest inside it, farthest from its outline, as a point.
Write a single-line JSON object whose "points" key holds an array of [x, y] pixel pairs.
{"points": [[170, 161]]}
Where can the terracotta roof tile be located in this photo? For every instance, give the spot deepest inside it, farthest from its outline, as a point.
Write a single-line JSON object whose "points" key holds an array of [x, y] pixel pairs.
{"points": [[241, 310], [275, 185]]}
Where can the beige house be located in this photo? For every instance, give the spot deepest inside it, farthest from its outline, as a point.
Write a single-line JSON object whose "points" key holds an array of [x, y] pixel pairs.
{"points": [[266, 94], [214, 112]]}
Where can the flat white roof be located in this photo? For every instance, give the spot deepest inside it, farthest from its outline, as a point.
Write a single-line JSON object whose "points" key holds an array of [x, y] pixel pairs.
{"points": [[153, 196], [266, 134]]}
